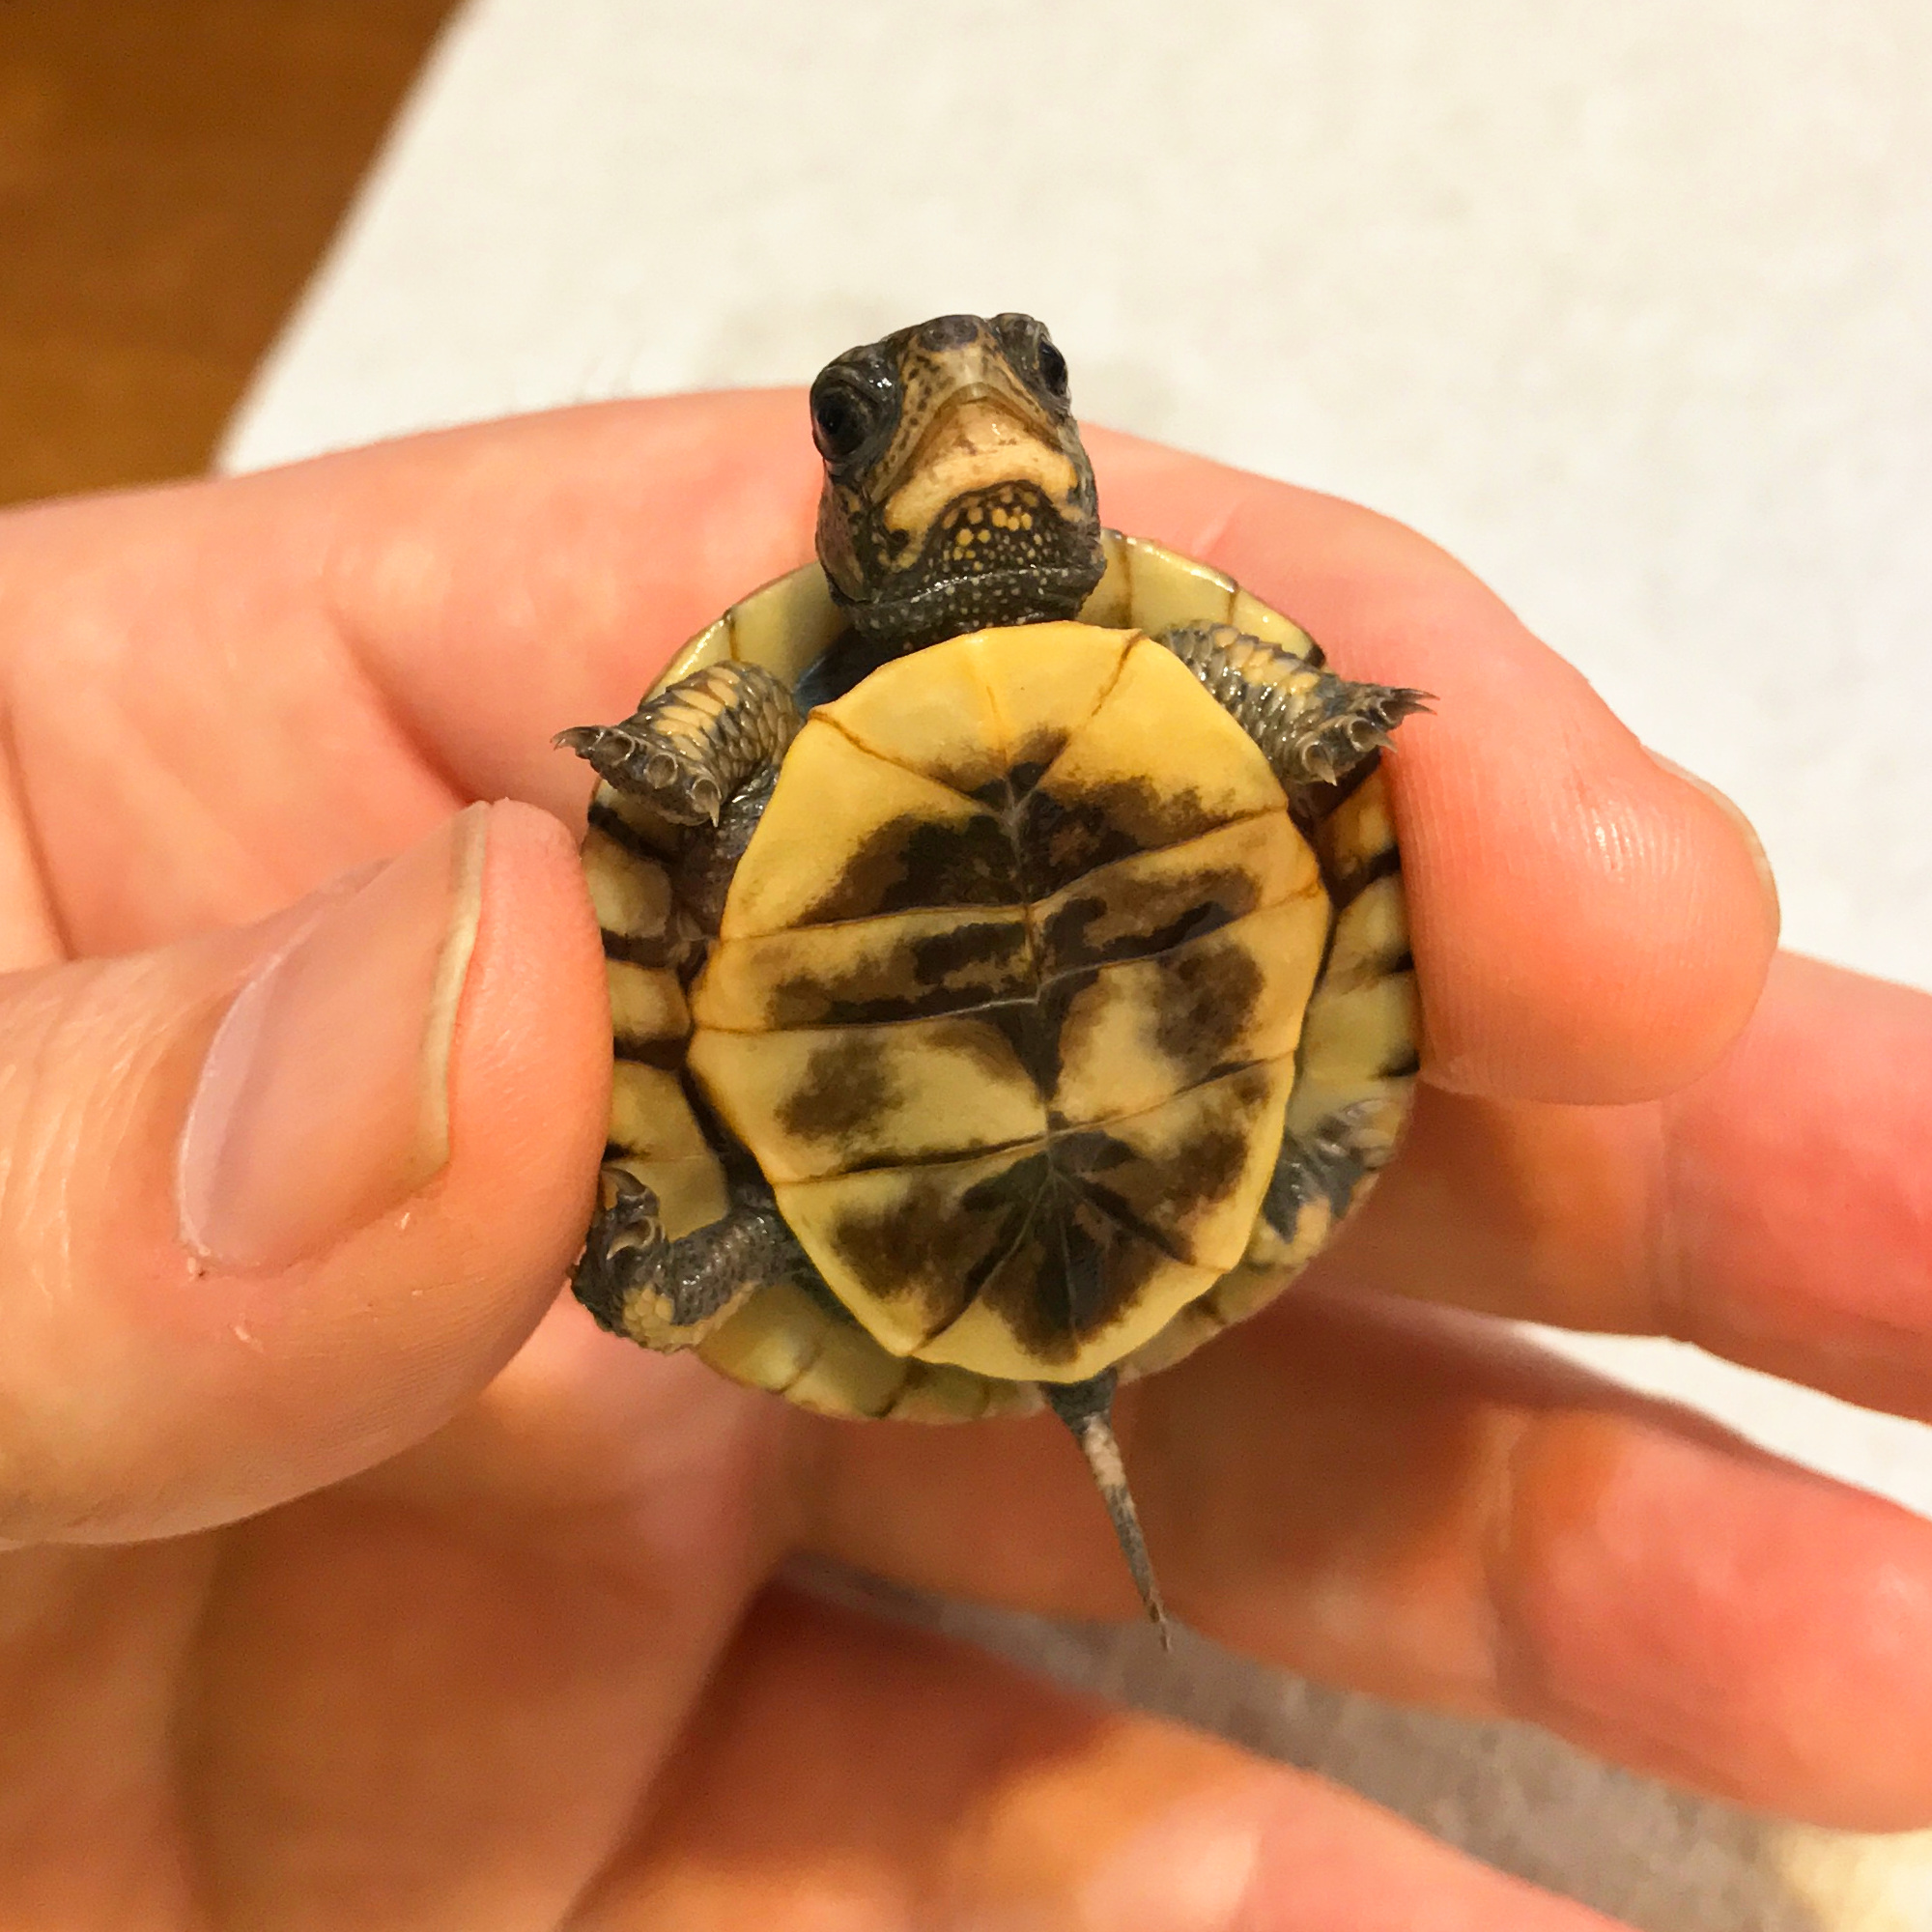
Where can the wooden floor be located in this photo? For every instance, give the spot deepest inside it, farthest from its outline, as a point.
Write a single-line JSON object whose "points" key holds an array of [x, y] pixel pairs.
{"points": [[170, 170]]}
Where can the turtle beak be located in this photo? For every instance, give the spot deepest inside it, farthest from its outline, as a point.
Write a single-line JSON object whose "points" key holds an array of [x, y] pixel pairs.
{"points": [[985, 434]]}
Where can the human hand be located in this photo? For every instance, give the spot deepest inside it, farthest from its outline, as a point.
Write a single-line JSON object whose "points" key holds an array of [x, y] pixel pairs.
{"points": [[356, 1579]]}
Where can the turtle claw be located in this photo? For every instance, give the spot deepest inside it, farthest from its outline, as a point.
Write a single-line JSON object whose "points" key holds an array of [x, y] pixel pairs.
{"points": [[1340, 743], [624, 1254], [675, 778]]}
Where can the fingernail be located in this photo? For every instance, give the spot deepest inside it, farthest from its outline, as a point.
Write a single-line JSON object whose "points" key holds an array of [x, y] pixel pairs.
{"points": [[1734, 811], [325, 1097]]}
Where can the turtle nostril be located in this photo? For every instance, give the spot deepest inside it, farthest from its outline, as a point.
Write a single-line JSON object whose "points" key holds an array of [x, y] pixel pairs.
{"points": [[948, 331]]}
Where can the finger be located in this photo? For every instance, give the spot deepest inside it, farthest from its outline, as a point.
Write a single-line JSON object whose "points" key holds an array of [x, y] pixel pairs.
{"points": [[848, 1773], [507, 1626], [1589, 925], [223, 694], [1350, 1490], [280, 1198], [1778, 1212]]}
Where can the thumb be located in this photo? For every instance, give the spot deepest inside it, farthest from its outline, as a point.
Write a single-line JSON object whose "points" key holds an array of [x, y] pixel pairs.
{"points": [[273, 1201]]}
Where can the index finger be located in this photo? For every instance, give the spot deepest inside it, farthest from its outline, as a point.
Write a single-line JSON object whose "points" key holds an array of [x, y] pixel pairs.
{"points": [[1589, 925]]}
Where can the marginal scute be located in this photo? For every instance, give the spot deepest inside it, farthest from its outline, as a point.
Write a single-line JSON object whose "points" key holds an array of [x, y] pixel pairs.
{"points": [[1255, 619], [1371, 937], [1166, 588], [1368, 1030], [1108, 603], [650, 1116], [785, 625], [646, 1003], [631, 897], [711, 645], [1359, 832]]}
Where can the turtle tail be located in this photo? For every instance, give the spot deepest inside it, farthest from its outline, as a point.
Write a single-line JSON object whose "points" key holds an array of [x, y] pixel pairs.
{"points": [[1087, 1410]]}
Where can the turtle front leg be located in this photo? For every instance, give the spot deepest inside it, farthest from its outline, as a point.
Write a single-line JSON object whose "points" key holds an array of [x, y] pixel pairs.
{"points": [[1316, 729], [684, 782], [672, 1294], [689, 750]]}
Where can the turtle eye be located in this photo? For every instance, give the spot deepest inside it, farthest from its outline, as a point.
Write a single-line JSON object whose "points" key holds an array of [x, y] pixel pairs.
{"points": [[1035, 355], [845, 413], [1052, 370]]}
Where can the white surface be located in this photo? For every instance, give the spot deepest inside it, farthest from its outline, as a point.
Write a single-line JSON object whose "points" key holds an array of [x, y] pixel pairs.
{"points": [[1629, 306]]}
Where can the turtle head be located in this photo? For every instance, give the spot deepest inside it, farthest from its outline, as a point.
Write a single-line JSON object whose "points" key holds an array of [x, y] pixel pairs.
{"points": [[957, 491]]}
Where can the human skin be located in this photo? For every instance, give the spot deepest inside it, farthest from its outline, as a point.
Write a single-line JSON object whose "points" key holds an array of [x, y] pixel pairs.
{"points": [[353, 1577]]}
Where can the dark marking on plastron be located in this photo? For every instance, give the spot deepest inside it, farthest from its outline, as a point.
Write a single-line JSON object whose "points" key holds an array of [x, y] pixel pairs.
{"points": [[1160, 1202], [1121, 917], [1065, 835], [975, 964], [942, 955], [1009, 791], [988, 1047], [845, 1087], [1061, 841], [914, 864], [1110, 1177], [1204, 999], [931, 1246], [957, 971], [1075, 1272], [1032, 1028], [1036, 754]]}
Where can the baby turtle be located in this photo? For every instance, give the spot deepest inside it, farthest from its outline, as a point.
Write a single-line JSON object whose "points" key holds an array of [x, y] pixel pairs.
{"points": [[1007, 958]]}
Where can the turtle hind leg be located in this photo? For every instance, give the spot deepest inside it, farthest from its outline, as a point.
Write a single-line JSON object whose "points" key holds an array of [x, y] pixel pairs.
{"points": [[670, 1294], [1087, 1410], [1315, 729]]}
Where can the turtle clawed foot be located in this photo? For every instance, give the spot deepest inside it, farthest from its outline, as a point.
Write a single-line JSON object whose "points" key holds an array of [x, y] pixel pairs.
{"points": [[623, 1268], [677, 780], [1364, 724]]}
